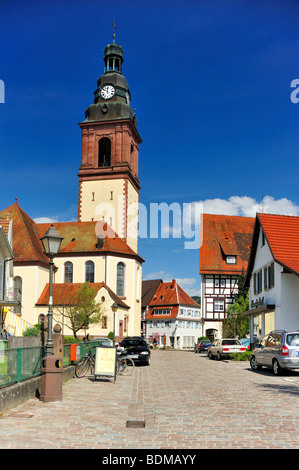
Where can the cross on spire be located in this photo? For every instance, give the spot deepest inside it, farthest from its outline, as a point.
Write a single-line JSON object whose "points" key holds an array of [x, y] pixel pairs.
{"points": [[114, 27]]}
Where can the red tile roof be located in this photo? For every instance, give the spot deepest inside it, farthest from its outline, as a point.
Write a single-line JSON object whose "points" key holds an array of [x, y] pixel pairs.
{"points": [[63, 294], [221, 236], [282, 234], [4, 223], [169, 295], [26, 244]]}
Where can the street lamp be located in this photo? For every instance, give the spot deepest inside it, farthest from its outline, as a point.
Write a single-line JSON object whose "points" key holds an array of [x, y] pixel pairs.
{"points": [[114, 308], [51, 242]]}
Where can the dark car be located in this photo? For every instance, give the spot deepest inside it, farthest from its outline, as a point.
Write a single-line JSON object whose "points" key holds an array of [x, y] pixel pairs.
{"points": [[202, 346], [136, 349]]}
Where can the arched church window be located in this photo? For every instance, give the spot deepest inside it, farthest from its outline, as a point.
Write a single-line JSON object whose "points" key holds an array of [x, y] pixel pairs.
{"points": [[89, 271], [104, 152], [68, 272], [18, 288], [120, 279]]}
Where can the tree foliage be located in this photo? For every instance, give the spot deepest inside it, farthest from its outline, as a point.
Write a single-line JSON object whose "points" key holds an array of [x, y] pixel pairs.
{"points": [[81, 310], [235, 324]]}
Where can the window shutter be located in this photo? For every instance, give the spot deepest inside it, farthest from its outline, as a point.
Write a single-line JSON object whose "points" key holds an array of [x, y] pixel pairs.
{"points": [[271, 275], [265, 279]]}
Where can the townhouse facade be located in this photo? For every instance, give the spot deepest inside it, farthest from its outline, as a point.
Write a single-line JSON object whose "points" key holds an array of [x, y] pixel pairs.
{"points": [[273, 275], [173, 318], [225, 243]]}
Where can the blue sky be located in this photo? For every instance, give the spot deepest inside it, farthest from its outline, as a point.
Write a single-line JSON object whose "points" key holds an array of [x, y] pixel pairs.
{"points": [[210, 81]]}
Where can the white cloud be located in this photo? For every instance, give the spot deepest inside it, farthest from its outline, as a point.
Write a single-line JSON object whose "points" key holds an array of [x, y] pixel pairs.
{"points": [[45, 220], [241, 206], [248, 207]]}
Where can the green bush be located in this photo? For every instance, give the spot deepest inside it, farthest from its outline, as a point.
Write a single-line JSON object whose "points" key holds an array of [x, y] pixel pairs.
{"points": [[31, 331], [244, 356], [111, 335], [70, 340]]}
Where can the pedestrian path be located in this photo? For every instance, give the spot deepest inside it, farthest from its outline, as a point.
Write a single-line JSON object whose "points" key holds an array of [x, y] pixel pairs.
{"points": [[181, 401]]}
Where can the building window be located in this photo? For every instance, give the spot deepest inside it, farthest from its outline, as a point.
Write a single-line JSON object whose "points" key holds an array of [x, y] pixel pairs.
{"points": [[230, 260], [269, 276], [18, 288], [104, 152], [120, 279], [68, 272], [219, 305], [104, 322], [89, 271], [257, 282]]}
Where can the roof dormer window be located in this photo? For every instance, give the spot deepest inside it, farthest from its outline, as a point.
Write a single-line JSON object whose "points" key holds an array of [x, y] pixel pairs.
{"points": [[231, 260]]}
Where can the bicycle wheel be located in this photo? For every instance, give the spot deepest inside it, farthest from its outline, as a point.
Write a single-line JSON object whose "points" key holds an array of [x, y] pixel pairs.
{"points": [[127, 366], [82, 367]]}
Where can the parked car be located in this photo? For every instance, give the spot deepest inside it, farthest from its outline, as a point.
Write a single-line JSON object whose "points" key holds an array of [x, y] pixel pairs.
{"points": [[202, 346], [224, 347], [279, 350], [106, 342], [136, 349], [245, 342]]}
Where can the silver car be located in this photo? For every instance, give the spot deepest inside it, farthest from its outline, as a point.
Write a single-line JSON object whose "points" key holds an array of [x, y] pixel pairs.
{"points": [[224, 347], [279, 350]]}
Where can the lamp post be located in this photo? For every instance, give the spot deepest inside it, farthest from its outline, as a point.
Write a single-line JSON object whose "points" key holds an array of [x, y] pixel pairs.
{"points": [[51, 242], [114, 308], [202, 322]]}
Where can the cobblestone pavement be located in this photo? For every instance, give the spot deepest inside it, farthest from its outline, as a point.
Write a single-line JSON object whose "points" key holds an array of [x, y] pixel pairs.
{"points": [[186, 400]]}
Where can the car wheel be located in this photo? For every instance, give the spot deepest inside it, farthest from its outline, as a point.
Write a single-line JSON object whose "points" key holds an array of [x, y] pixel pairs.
{"points": [[254, 365], [276, 368], [210, 355]]}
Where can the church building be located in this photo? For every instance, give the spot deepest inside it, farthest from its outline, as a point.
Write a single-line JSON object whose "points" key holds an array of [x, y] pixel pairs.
{"points": [[102, 246]]}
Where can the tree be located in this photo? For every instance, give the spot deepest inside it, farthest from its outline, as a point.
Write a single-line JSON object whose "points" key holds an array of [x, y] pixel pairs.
{"points": [[235, 324], [81, 310]]}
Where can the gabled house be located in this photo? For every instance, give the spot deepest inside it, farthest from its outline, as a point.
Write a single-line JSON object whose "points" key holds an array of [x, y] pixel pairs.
{"points": [[225, 243], [149, 288], [174, 318], [273, 275]]}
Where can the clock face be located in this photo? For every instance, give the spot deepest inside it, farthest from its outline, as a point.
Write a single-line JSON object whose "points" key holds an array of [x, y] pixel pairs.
{"points": [[107, 92]]}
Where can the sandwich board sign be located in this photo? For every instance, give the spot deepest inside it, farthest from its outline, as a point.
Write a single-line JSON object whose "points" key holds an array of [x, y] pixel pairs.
{"points": [[105, 362]]}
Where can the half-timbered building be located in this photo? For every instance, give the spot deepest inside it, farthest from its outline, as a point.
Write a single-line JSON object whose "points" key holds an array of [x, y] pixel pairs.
{"points": [[224, 252]]}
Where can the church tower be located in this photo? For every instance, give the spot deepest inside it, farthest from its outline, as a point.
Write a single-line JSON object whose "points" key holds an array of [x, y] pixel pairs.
{"points": [[108, 175]]}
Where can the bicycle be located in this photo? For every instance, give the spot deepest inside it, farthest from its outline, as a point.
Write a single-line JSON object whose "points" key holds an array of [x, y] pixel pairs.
{"points": [[124, 366], [85, 364]]}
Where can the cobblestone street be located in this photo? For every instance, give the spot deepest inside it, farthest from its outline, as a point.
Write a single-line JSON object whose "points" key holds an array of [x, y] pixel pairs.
{"points": [[186, 400]]}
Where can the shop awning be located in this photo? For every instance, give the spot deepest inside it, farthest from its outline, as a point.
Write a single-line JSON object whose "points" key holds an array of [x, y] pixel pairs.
{"points": [[259, 310]]}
